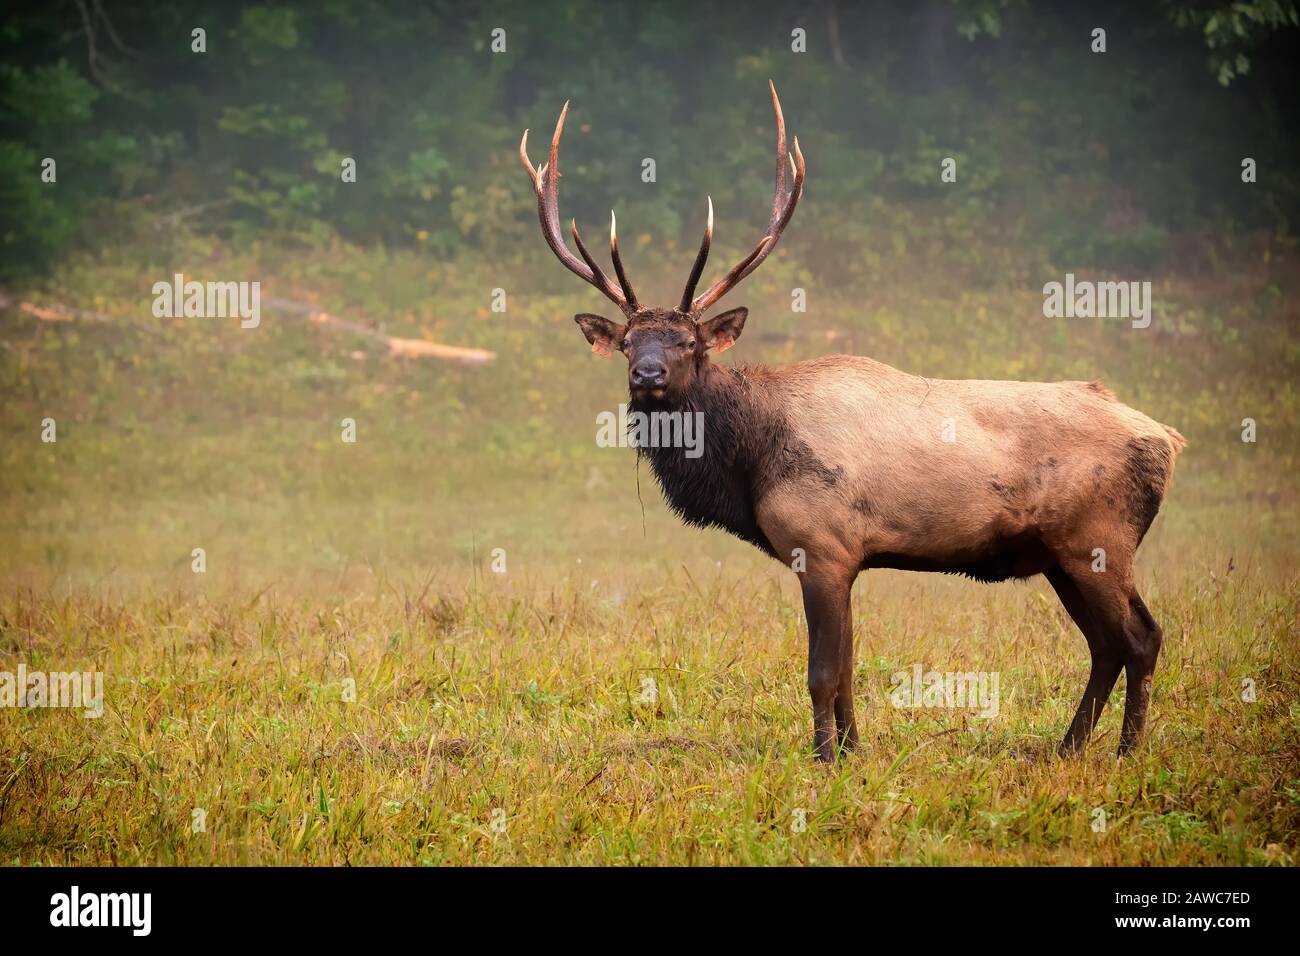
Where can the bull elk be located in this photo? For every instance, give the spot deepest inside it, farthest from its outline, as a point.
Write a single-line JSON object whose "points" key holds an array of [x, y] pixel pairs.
{"points": [[846, 459]]}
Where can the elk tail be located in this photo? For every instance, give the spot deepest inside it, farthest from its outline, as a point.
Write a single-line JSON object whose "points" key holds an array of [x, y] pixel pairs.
{"points": [[1097, 387], [1176, 444]]}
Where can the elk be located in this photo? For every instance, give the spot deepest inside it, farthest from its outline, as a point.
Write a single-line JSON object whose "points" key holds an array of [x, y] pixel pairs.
{"points": [[853, 465]]}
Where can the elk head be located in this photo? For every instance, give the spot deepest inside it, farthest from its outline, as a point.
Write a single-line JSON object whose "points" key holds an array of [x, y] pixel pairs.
{"points": [[665, 348]]}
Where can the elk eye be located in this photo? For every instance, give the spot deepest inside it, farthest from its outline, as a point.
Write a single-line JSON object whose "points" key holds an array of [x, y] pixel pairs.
{"points": [[690, 344]]}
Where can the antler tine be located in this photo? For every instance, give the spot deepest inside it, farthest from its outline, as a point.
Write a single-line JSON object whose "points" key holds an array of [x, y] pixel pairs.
{"points": [[546, 183], [700, 259], [783, 205], [523, 158], [591, 263], [739, 269], [781, 154], [628, 294], [796, 191]]}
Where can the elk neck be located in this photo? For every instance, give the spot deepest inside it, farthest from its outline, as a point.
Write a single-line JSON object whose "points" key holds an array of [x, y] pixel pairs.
{"points": [[716, 489]]}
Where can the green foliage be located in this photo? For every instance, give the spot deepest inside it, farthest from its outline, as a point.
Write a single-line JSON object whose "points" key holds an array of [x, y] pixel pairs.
{"points": [[1232, 29], [1056, 147], [50, 104]]}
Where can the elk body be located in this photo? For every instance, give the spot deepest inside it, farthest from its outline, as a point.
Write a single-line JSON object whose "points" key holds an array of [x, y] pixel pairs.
{"points": [[851, 464]]}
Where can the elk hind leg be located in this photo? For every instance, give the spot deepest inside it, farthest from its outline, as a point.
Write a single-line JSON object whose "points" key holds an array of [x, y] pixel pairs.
{"points": [[1142, 640], [1106, 662], [1121, 634], [846, 723]]}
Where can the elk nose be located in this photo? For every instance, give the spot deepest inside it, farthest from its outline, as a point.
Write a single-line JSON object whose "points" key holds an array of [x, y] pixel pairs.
{"points": [[649, 373]]}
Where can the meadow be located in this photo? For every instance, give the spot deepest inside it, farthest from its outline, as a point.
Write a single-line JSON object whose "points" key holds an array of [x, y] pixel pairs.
{"points": [[360, 676]]}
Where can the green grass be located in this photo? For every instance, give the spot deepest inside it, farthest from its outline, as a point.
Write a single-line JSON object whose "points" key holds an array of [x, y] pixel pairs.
{"points": [[531, 703], [521, 692]]}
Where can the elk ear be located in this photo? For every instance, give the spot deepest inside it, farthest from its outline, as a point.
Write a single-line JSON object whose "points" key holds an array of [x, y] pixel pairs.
{"points": [[720, 332], [604, 335]]}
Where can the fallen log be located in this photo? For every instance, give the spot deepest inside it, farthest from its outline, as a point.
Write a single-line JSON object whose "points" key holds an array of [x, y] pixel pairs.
{"points": [[407, 348], [412, 348]]}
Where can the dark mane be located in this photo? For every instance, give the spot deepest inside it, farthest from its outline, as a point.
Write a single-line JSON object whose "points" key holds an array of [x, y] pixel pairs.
{"points": [[715, 489], [748, 447]]}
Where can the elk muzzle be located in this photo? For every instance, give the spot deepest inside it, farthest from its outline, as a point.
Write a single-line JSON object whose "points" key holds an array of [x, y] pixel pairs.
{"points": [[648, 372]]}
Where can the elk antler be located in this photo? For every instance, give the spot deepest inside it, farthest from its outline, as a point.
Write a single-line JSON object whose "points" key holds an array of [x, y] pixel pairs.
{"points": [[618, 264], [546, 183], [782, 209]]}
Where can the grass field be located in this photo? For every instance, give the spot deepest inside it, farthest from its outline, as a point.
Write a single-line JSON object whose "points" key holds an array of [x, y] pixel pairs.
{"points": [[350, 681]]}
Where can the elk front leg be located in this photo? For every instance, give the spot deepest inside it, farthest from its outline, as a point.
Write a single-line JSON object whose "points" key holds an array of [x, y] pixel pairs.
{"points": [[826, 605]]}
